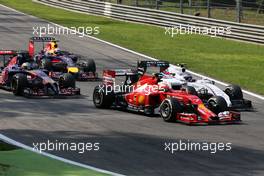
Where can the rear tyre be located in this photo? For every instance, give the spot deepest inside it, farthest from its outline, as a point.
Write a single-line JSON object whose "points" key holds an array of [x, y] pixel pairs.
{"points": [[67, 81], [169, 109], [217, 104], [103, 97], [234, 92], [18, 84]]}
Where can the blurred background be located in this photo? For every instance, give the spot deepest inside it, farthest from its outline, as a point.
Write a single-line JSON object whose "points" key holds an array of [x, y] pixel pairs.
{"points": [[242, 11]]}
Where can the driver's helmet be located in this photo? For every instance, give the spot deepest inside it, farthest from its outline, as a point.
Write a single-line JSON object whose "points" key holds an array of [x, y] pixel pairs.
{"points": [[50, 48], [26, 66], [158, 76], [53, 45]]}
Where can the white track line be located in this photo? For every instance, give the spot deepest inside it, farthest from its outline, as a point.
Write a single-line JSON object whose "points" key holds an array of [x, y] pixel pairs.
{"points": [[18, 144]]}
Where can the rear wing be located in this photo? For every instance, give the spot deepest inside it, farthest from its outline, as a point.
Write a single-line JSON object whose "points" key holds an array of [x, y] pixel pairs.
{"points": [[143, 65], [110, 75], [5, 57], [43, 40]]}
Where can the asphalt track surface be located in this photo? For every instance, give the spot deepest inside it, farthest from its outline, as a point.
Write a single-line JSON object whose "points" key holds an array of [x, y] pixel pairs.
{"points": [[130, 144]]}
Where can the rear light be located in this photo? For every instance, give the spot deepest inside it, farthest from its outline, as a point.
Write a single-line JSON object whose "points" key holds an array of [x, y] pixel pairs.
{"points": [[55, 61]]}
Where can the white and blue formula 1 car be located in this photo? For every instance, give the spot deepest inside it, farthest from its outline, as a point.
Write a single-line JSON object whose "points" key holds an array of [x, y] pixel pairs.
{"points": [[232, 96]]}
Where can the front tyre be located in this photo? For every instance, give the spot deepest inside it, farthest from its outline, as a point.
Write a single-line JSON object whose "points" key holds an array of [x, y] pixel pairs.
{"points": [[18, 84], [217, 104], [234, 92], [67, 81], [169, 109]]}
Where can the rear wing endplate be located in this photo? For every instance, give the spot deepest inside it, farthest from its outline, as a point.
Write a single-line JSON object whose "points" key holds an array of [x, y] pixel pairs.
{"points": [[110, 75]]}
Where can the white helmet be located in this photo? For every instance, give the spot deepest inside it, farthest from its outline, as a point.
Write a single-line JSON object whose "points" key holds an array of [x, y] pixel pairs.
{"points": [[26, 66]]}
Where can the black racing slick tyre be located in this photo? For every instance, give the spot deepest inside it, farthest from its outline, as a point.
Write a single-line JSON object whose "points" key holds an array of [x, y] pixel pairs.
{"points": [[234, 92], [18, 84], [217, 104], [67, 81], [88, 66], [169, 109], [46, 64], [103, 97], [91, 65], [191, 90]]}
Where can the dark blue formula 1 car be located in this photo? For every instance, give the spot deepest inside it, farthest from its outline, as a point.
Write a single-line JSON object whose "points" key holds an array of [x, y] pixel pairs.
{"points": [[58, 62], [23, 77]]}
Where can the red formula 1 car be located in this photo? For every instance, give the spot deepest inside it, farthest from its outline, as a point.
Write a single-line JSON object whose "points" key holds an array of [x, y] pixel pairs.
{"points": [[58, 62], [147, 93], [22, 77]]}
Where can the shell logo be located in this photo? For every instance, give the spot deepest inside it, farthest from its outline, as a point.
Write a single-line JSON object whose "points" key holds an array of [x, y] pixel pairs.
{"points": [[141, 100], [202, 107]]}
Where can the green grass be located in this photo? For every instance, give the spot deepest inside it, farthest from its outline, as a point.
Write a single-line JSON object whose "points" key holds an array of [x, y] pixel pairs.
{"points": [[226, 60], [24, 163]]}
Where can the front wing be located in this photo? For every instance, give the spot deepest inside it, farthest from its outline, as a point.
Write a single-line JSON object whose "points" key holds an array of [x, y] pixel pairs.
{"points": [[228, 117]]}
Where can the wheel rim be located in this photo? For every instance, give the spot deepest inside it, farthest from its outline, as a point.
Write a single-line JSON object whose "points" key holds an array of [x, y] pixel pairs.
{"points": [[53, 89], [97, 97], [213, 106], [165, 110]]}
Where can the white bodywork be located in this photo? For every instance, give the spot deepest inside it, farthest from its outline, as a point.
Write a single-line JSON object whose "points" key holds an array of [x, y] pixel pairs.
{"points": [[177, 77]]}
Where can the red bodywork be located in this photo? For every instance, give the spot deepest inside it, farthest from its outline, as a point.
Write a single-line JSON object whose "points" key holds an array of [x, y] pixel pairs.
{"points": [[148, 92]]}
